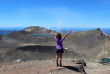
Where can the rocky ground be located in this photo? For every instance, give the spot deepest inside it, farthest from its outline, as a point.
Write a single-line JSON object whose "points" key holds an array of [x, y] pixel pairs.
{"points": [[49, 67]]}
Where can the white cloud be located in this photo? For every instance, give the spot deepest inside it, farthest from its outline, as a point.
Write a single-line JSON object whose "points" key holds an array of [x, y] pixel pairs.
{"points": [[64, 17]]}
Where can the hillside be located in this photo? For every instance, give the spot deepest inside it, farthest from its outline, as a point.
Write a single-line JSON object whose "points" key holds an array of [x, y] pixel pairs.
{"points": [[89, 45], [23, 35], [91, 42]]}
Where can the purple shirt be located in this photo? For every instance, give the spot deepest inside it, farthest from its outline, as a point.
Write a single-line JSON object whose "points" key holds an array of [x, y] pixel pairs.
{"points": [[59, 43]]}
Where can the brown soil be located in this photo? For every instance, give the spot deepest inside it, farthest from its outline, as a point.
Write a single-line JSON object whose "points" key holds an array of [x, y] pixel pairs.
{"points": [[49, 67]]}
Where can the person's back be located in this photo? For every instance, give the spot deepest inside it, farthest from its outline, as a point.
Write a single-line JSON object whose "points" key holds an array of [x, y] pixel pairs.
{"points": [[59, 43]]}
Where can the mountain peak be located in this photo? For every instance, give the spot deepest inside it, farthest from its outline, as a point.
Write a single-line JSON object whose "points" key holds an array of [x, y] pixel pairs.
{"points": [[98, 29], [35, 30]]}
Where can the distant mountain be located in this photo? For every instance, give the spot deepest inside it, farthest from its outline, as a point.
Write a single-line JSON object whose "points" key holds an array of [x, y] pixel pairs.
{"points": [[5, 32], [66, 29], [106, 30], [23, 35], [8, 30]]}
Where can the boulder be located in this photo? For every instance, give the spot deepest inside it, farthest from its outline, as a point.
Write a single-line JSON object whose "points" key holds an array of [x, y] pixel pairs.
{"points": [[81, 69], [80, 61]]}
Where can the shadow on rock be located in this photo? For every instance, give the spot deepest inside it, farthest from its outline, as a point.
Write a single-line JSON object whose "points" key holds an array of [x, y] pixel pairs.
{"points": [[78, 68], [72, 68]]}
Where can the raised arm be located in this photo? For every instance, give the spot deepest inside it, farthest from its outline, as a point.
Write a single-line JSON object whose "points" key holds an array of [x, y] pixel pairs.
{"points": [[52, 33], [67, 34]]}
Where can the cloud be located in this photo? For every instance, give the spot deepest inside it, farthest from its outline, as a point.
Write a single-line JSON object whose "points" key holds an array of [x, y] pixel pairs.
{"points": [[60, 15], [64, 17]]}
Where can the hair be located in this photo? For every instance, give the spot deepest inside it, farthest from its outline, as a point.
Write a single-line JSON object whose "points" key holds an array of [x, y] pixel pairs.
{"points": [[58, 36]]}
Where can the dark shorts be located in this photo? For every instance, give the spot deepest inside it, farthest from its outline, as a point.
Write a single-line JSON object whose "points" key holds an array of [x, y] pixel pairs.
{"points": [[59, 50]]}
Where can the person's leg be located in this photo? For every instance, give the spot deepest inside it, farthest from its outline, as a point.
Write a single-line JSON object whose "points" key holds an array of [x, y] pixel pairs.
{"points": [[60, 54], [57, 56]]}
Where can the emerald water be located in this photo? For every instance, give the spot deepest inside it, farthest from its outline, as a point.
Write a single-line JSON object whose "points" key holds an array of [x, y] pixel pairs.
{"points": [[105, 60]]}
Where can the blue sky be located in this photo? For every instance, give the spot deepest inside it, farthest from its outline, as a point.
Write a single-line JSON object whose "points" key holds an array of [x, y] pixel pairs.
{"points": [[55, 13]]}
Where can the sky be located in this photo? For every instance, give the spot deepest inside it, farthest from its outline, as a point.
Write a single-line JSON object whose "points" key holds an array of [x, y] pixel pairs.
{"points": [[55, 13]]}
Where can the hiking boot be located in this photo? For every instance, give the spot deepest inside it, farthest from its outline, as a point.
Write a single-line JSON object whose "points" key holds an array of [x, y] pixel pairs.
{"points": [[60, 65], [57, 64]]}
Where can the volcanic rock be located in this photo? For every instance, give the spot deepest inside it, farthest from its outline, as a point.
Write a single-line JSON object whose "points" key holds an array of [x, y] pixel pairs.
{"points": [[1, 36], [89, 45]]}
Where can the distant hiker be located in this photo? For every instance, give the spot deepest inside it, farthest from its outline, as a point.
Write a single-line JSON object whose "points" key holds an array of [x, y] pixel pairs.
{"points": [[59, 46]]}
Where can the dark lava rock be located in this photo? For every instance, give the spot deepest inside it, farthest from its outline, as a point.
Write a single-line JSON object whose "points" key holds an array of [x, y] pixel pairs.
{"points": [[79, 61], [81, 69], [1, 36]]}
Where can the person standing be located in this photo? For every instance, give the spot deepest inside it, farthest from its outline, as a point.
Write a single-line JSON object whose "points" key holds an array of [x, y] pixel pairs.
{"points": [[59, 46]]}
